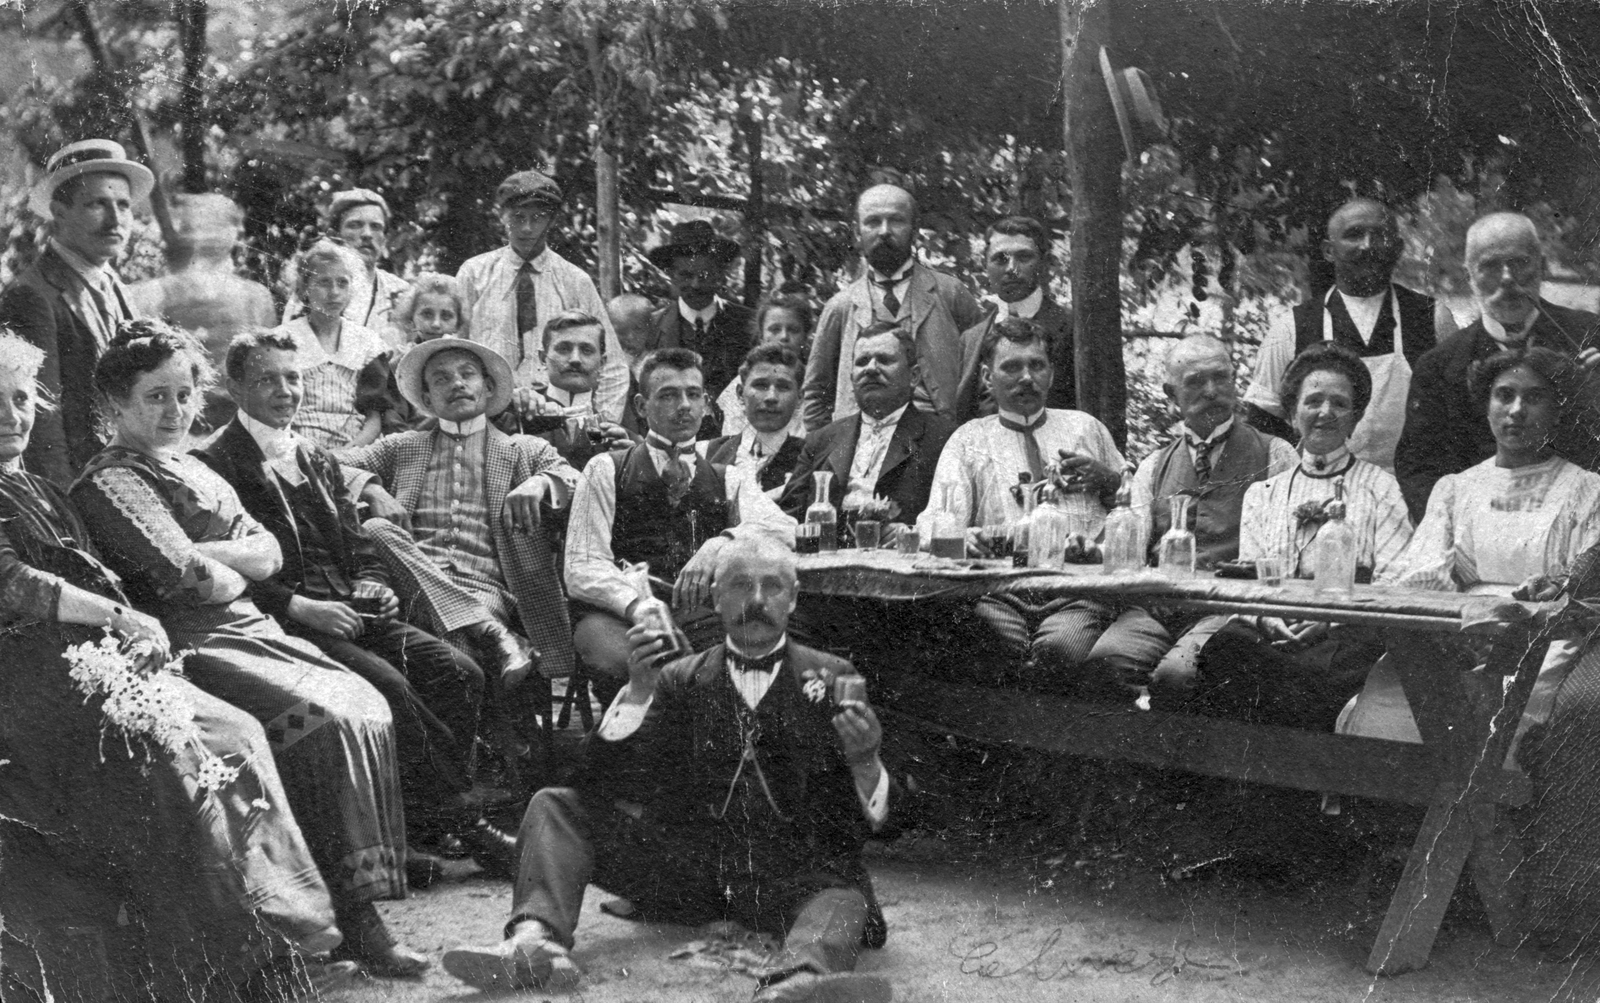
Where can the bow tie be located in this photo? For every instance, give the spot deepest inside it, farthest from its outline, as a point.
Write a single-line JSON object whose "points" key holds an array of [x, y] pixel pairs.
{"points": [[763, 663], [673, 450]]}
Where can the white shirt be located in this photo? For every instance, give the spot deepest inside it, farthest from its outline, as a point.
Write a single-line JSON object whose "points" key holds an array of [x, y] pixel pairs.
{"points": [[624, 717], [277, 445], [705, 316], [489, 293], [462, 429], [591, 566], [755, 447], [872, 445], [901, 280], [568, 399], [1027, 307], [1277, 349]]}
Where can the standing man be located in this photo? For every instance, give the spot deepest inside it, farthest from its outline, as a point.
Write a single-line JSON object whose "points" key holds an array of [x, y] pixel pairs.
{"points": [[739, 783], [1387, 325], [769, 392], [359, 219], [1017, 267], [659, 502], [511, 292], [695, 259], [893, 286], [70, 300], [1445, 431], [333, 591]]}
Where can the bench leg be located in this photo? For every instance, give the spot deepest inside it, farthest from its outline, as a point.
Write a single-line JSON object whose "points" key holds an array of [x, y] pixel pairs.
{"points": [[1419, 903], [1495, 857]]}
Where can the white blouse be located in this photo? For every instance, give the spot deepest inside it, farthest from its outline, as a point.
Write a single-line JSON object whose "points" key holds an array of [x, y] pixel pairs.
{"points": [[1375, 511]]}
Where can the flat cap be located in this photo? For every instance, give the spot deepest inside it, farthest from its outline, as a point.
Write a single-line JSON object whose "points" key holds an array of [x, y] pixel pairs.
{"points": [[354, 198], [528, 188]]}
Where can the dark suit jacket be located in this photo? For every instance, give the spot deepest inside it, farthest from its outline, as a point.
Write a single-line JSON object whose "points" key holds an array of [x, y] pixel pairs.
{"points": [[51, 306], [724, 451], [235, 456], [973, 400], [1447, 431], [728, 339], [907, 472]]}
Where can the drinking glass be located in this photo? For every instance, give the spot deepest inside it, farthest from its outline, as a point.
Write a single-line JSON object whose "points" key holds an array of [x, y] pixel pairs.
{"points": [[1269, 571], [868, 534]]}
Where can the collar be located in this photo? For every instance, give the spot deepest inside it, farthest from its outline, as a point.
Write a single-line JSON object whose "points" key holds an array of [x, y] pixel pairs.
{"points": [[662, 444], [707, 315], [1500, 333], [770, 442], [1326, 464], [539, 261], [584, 398], [274, 442], [462, 429], [748, 656], [900, 274], [889, 420], [1374, 301], [1026, 421], [1217, 434], [87, 270], [1027, 308]]}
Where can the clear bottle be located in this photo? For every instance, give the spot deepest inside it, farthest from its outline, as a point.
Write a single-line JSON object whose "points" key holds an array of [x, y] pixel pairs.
{"points": [[1047, 535], [821, 514], [948, 537], [1333, 566], [1126, 535], [652, 612], [1175, 551], [1021, 529]]}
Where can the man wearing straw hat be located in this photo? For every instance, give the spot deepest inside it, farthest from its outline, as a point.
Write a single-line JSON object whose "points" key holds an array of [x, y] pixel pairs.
{"points": [[70, 301]]}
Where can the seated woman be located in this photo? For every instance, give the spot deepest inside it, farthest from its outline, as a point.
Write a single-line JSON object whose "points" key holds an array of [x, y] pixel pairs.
{"points": [[1524, 513], [213, 886], [1301, 674], [779, 320], [187, 551]]}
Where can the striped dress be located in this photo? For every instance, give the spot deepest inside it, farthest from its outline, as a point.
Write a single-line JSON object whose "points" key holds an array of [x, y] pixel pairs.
{"points": [[1375, 511], [341, 388]]}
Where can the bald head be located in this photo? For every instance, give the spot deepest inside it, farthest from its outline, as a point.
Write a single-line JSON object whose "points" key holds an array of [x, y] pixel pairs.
{"points": [[630, 318], [1201, 382], [1195, 348], [1363, 245], [1506, 267], [886, 224]]}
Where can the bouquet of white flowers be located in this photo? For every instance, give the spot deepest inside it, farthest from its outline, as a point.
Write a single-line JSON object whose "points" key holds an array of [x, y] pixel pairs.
{"points": [[144, 702]]}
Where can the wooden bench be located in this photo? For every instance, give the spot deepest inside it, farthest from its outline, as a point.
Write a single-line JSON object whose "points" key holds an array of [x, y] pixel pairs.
{"points": [[1466, 718]]}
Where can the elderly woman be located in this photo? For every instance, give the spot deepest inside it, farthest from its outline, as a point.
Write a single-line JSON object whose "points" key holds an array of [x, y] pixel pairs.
{"points": [[187, 551], [1300, 674], [212, 884]]}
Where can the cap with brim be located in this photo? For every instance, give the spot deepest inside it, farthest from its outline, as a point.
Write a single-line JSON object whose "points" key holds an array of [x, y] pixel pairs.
{"points": [[91, 156], [344, 201], [1133, 98], [528, 188], [691, 238], [408, 375]]}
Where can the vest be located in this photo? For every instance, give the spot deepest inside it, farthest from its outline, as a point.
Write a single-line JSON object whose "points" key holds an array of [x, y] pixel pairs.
{"points": [[323, 572], [1416, 317], [1215, 513], [648, 527]]}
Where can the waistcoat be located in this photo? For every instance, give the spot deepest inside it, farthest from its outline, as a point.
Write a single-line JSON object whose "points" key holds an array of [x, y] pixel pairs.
{"points": [[647, 527], [1215, 512]]}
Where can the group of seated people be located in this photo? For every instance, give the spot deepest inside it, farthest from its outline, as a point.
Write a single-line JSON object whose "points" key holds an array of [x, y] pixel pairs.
{"points": [[356, 664]]}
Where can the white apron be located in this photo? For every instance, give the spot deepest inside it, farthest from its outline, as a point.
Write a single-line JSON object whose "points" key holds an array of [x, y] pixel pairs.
{"points": [[1378, 432]]}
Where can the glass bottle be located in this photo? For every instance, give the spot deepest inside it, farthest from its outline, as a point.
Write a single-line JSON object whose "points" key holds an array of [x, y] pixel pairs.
{"points": [[1023, 526], [1333, 567], [948, 537], [821, 515], [1047, 535], [1126, 535], [1175, 551], [652, 612]]}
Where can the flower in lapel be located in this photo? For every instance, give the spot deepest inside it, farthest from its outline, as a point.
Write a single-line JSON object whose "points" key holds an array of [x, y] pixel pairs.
{"points": [[815, 687]]}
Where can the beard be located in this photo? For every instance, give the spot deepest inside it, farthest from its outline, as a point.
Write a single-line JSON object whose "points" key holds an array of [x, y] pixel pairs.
{"points": [[886, 256]]}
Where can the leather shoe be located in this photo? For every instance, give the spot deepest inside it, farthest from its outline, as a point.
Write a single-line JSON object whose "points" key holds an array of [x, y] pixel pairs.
{"points": [[835, 987], [368, 941], [500, 651], [422, 869], [528, 959], [494, 849]]}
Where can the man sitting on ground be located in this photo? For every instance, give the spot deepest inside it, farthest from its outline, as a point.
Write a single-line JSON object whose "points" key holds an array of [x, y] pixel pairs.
{"points": [[769, 391], [661, 503], [774, 784]]}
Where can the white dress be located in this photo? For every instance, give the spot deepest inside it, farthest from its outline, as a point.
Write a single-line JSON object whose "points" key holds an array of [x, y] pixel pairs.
{"points": [[1375, 511]]}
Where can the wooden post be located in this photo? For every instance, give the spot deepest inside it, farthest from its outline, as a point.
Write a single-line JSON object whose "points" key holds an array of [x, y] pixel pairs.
{"points": [[607, 208], [1094, 171], [755, 219]]}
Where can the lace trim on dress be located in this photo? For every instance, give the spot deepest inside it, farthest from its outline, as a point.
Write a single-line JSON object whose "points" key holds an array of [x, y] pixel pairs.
{"points": [[139, 503]]}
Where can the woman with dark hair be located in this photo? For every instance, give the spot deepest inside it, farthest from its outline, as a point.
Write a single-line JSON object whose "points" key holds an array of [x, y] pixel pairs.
{"points": [[187, 550], [780, 319], [212, 884], [1523, 514], [1300, 673]]}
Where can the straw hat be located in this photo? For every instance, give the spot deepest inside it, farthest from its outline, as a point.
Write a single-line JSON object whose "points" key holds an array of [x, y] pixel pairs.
{"points": [[408, 375], [91, 156]]}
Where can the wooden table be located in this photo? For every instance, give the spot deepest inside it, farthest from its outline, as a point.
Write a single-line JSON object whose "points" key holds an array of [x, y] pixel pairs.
{"points": [[1466, 719]]}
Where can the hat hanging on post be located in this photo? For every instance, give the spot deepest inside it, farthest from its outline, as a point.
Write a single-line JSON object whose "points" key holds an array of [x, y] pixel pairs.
{"points": [[691, 238], [1133, 96], [91, 156]]}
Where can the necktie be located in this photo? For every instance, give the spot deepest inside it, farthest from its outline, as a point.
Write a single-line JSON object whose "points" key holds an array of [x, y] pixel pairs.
{"points": [[699, 332], [677, 473], [1030, 445], [527, 308], [1202, 459], [891, 302]]}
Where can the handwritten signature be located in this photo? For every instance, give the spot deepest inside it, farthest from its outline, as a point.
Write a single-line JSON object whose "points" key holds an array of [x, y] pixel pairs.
{"points": [[983, 959]]}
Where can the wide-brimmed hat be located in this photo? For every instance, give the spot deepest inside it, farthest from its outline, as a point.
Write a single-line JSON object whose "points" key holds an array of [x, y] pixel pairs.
{"points": [[408, 375], [691, 238], [1133, 97], [91, 156]]}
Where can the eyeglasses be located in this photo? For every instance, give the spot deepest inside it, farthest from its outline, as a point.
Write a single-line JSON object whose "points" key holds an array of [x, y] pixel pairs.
{"points": [[1521, 265]]}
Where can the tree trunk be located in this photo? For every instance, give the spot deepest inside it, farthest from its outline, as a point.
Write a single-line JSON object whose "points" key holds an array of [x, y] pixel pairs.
{"points": [[192, 19], [755, 219], [607, 209], [1094, 171]]}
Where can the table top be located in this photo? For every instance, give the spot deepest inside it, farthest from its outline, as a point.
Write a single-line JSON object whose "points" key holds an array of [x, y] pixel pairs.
{"points": [[887, 574]]}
